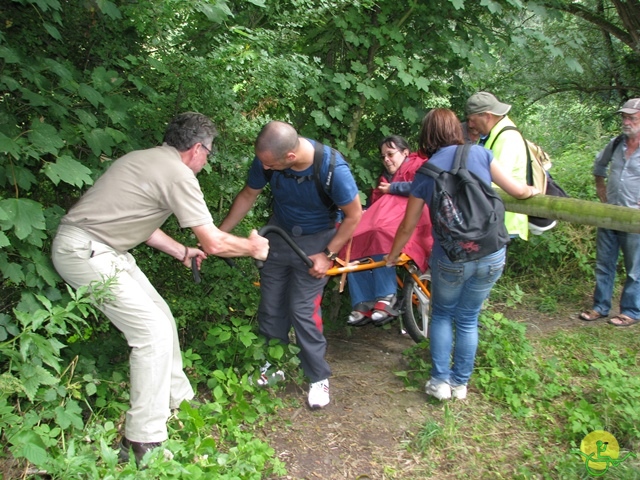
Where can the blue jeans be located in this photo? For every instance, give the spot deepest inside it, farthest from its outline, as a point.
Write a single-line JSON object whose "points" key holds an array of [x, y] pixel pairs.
{"points": [[457, 293], [369, 285], [608, 246]]}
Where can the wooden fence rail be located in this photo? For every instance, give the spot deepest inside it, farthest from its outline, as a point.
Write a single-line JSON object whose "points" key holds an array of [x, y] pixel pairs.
{"points": [[576, 211]]}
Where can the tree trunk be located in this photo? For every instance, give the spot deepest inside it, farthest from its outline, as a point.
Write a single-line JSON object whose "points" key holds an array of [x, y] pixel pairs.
{"points": [[572, 210]]}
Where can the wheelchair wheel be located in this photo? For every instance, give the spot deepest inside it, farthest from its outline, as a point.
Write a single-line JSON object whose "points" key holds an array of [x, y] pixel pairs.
{"points": [[416, 308]]}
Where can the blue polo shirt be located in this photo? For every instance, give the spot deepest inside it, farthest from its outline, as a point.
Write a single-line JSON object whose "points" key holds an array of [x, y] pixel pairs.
{"points": [[297, 207]]}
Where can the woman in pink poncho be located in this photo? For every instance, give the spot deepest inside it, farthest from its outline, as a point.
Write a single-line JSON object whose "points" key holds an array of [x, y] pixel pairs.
{"points": [[373, 292]]}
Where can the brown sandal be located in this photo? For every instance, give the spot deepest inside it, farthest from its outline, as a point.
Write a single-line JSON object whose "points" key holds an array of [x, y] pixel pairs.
{"points": [[591, 316], [623, 320]]}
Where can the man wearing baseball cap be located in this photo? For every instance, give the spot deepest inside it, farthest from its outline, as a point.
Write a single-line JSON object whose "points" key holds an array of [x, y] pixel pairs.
{"points": [[617, 177], [487, 115]]}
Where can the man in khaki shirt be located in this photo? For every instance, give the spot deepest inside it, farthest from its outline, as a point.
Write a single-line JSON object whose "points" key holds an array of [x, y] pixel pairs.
{"points": [[124, 208]]}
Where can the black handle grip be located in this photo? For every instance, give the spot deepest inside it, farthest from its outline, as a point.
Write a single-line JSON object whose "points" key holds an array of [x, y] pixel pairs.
{"points": [[285, 236], [194, 269], [230, 262]]}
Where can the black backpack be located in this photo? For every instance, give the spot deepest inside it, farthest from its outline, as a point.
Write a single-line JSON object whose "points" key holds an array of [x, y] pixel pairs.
{"points": [[322, 187], [467, 215], [537, 176]]}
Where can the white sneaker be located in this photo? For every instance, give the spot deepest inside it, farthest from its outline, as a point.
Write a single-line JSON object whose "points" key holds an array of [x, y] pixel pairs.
{"points": [[266, 379], [459, 392], [319, 394], [439, 390]]}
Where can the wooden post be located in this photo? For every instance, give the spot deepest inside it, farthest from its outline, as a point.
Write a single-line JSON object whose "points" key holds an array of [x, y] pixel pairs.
{"points": [[572, 210]]}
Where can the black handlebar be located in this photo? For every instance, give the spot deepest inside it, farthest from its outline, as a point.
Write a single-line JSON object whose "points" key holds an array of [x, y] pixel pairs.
{"points": [[285, 236], [194, 269]]}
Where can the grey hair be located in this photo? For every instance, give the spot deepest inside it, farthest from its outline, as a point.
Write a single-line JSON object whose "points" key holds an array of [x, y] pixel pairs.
{"points": [[189, 128]]}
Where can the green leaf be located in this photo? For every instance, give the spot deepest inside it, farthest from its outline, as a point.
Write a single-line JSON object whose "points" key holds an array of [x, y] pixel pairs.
{"points": [[90, 94], [69, 415], [23, 215], [9, 55], [59, 69], [422, 83], [33, 376], [457, 4], [87, 118], [109, 8], [573, 65], [11, 83], [13, 272], [8, 145], [35, 99], [321, 119], [68, 170], [91, 389], [493, 7], [45, 137], [52, 30], [217, 12], [99, 141], [28, 444], [371, 93], [47, 272]]}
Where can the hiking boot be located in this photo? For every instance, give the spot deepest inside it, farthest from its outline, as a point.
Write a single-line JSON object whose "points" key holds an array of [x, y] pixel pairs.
{"points": [[319, 394], [138, 448], [439, 390], [267, 379], [459, 392]]}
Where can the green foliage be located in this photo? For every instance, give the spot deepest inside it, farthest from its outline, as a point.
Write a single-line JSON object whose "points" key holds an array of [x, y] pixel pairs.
{"points": [[577, 381], [504, 363], [82, 83]]}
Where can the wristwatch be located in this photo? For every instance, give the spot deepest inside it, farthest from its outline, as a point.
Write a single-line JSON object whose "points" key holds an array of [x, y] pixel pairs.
{"points": [[330, 255]]}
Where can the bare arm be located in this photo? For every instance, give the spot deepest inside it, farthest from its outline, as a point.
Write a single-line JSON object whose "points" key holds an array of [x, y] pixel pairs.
{"points": [[411, 218], [168, 245], [241, 205], [510, 185], [216, 242], [352, 214], [601, 188]]}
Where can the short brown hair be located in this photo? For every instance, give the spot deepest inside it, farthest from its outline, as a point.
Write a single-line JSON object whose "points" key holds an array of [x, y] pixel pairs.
{"points": [[440, 128]]}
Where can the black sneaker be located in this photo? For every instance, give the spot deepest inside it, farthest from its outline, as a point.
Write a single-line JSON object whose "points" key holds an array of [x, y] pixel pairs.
{"points": [[138, 448]]}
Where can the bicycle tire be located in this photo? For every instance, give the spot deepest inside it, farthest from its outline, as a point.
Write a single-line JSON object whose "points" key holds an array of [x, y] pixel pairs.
{"points": [[416, 308]]}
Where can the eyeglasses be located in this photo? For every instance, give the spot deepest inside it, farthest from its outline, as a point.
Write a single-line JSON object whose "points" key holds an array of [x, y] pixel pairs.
{"points": [[389, 154], [211, 151]]}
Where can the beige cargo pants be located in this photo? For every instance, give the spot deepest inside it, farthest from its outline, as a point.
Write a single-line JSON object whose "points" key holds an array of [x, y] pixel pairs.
{"points": [[158, 382]]}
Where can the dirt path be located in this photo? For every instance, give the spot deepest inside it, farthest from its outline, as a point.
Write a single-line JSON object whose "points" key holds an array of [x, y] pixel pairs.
{"points": [[362, 429], [363, 432]]}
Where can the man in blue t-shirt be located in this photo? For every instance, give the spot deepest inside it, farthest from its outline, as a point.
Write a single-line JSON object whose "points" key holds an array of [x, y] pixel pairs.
{"points": [[291, 292]]}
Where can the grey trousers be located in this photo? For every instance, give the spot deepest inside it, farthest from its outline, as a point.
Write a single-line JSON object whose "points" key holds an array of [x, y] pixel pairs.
{"points": [[292, 298], [158, 382]]}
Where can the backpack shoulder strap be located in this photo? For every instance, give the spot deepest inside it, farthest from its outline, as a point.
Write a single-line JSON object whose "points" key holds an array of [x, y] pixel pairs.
{"points": [[611, 147], [324, 187], [430, 170], [504, 129], [460, 160], [526, 148]]}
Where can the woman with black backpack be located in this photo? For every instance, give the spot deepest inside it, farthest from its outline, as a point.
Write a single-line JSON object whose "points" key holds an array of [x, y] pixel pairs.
{"points": [[459, 286]]}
